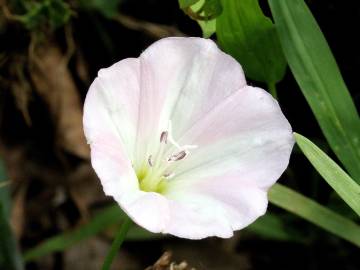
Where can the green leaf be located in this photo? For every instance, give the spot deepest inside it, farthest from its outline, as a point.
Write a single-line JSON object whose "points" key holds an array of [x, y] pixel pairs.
{"points": [[58, 13], [103, 220], [339, 180], [211, 9], [5, 200], [208, 27], [52, 13], [108, 8], [319, 78], [204, 12], [244, 32], [317, 214], [187, 3], [10, 258]]}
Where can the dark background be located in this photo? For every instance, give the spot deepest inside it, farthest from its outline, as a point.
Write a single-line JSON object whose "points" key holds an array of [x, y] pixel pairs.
{"points": [[54, 188]]}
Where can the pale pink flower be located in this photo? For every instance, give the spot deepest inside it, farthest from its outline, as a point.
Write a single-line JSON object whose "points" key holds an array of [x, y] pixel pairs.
{"points": [[180, 141]]}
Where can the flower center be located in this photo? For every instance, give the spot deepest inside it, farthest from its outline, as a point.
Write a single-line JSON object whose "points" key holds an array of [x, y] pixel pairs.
{"points": [[157, 172]]}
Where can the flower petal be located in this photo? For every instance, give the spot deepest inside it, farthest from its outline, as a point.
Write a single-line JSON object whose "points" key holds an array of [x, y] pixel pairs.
{"points": [[110, 117], [149, 210], [244, 147], [113, 167], [246, 134], [181, 80], [211, 210], [244, 141]]}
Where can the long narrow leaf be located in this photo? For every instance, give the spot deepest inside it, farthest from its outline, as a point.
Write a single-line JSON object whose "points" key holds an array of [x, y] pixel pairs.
{"points": [[339, 180], [317, 214], [10, 258], [4, 191], [103, 220], [319, 78]]}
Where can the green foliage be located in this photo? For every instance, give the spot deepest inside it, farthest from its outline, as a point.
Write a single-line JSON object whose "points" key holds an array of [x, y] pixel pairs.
{"points": [[104, 219], [317, 214], [202, 10], [339, 180], [46, 13], [116, 244], [4, 191], [211, 9], [108, 8], [244, 32], [187, 3], [319, 78], [208, 27], [10, 258]]}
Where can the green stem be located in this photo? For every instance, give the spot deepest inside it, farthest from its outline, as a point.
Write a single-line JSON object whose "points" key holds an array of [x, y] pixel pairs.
{"points": [[119, 239], [272, 89]]}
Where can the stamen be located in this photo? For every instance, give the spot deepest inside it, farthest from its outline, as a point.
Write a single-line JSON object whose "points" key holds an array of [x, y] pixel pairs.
{"points": [[164, 137], [177, 156], [169, 175], [168, 151], [150, 161]]}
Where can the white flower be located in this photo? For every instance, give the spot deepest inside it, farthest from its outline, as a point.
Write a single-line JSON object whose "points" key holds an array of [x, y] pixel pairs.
{"points": [[182, 143]]}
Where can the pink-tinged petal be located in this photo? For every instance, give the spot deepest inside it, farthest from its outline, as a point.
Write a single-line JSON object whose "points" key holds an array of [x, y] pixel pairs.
{"points": [[111, 105], [110, 114], [244, 147], [213, 210], [148, 209], [244, 141], [113, 167], [245, 135], [181, 80]]}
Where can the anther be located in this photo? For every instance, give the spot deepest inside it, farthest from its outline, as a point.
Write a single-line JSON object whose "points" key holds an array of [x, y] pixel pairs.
{"points": [[150, 161], [164, 137], [177, 156], [168, 175]]}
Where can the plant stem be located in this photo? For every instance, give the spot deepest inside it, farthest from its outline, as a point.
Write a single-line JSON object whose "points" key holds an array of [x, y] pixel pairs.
{"points": [[119, 239], [272, 89]]}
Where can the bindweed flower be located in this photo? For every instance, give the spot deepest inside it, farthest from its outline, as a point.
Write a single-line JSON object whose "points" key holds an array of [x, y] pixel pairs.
{"points": [[182, 143]]}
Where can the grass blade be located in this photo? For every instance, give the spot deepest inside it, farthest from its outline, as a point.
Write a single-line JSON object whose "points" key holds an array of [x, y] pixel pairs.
{"points": [[319, 78], [339, 180], [106, 218], [10, 257], [5, 200], [317, 214]]}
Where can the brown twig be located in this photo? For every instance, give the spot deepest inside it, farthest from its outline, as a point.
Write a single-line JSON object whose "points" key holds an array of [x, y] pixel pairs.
{"points": [[154, 30]]}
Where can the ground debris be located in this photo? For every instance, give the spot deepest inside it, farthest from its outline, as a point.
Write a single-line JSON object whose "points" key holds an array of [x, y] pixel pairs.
{"points": [[165, 263], [54, 83]]}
